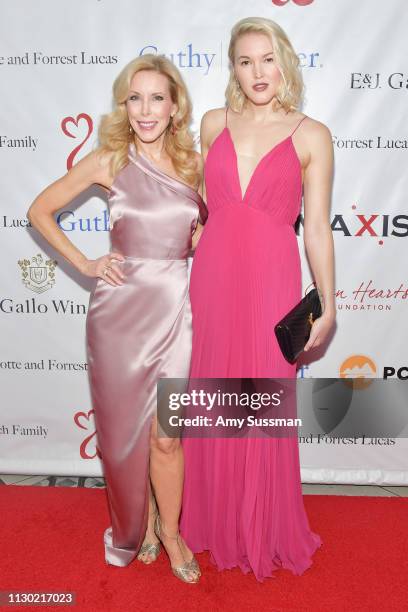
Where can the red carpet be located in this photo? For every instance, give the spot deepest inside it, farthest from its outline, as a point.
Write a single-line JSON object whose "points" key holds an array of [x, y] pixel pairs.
{"points": [[51, 540]]}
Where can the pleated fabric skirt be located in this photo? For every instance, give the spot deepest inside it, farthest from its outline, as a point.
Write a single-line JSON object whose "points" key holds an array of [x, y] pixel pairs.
{"points": [[242, 497]]}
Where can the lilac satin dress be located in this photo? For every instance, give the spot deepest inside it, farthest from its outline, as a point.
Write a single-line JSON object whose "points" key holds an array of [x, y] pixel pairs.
{"points": [[137, 333]]}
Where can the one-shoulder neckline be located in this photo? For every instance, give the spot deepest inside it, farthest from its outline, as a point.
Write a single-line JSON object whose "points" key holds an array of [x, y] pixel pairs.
{"points": [[150, 168]]}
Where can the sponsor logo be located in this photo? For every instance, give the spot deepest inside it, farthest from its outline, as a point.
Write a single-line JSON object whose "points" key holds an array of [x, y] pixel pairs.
{"points": [[309, 60], [192, 59], [366, 225], [31, 306], [377, 142], [24, 142], [360, 369], [301, 371], [38, 275], [51, 365], [399, 372], [14, 222], [69, 222], [88, 448], [368, 296], [365, 80], [362, 440], [25, 431], [39, 58], [72, 132], [184, 58], [297, 2]]}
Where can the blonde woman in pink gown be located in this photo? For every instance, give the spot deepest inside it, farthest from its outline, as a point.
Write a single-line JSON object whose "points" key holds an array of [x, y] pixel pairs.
{"points": [[242, 497]]}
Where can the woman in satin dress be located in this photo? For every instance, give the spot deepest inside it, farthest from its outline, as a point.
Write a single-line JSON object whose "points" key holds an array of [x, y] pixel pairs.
{"points": [[139, 319]]}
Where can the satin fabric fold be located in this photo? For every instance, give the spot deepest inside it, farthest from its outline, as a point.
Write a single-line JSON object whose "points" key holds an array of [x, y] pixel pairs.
{"points": [[137, 333]]}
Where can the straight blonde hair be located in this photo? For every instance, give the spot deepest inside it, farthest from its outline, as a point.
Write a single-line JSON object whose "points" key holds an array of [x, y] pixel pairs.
{"points": [[290, 91]]}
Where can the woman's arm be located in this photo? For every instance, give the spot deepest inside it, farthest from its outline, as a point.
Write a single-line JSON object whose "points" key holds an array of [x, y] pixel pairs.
{"points": [[90, 170], [318, 236]]}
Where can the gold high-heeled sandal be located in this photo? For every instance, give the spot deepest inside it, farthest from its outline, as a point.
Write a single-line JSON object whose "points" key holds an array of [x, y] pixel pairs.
{"points": [[182, 572], [153, 550], [149, 548], [194, 566]]}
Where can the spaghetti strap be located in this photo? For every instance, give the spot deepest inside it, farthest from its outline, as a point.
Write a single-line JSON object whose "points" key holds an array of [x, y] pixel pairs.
{"points": [[303, 118], [226, 117]]}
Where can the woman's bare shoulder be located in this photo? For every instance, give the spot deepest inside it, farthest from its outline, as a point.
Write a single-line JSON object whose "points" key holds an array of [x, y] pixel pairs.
{"points": [[213, 120], [214, 117], [212, 123], [95, 167], [315, 130], [315, 140], [103, 163]]}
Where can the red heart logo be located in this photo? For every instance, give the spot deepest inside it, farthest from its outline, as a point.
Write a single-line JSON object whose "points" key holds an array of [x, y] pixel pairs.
{"points": [[84, 420], [65, 122], [86, 450], [84, 415]]}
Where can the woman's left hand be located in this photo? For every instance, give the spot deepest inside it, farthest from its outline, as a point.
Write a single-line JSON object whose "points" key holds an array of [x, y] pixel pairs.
{"points": [[319, 331], [196, 236]]}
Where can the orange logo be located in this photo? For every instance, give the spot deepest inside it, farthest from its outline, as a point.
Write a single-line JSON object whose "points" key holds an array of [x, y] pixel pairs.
{"points": [[360, 369]]}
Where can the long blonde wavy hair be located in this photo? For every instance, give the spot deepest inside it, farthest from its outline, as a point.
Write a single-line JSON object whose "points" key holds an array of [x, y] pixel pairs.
{"points": [[290, 91], [115, 135]]}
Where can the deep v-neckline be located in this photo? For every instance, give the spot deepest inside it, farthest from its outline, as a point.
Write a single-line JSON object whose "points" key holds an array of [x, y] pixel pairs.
{"points": [[262, 159]]}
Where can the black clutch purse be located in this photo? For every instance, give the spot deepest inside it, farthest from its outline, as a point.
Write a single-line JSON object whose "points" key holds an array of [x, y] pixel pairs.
{"points": [[293, 331]]}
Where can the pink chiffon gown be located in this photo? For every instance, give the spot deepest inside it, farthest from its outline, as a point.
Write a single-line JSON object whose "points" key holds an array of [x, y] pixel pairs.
{"points": [[242, 497]]}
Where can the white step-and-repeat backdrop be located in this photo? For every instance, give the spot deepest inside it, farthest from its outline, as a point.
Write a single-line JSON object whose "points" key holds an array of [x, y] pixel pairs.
{"points": [[58, 61]]}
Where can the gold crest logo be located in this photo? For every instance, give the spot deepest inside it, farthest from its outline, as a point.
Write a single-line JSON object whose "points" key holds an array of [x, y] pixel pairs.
{"points": [[38, 275]]}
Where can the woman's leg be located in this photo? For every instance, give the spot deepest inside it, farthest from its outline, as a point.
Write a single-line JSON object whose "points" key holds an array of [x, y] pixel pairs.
{"points": [[150, 554], [167, 476]]}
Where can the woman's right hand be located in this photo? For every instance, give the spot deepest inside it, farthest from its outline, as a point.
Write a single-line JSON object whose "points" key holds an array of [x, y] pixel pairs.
{"points": [[105, 267]]}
